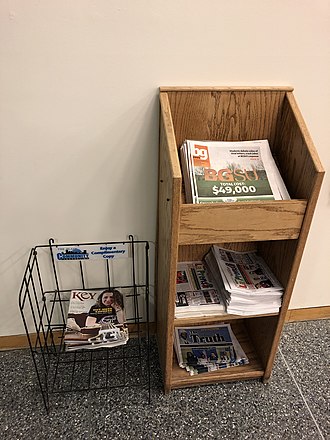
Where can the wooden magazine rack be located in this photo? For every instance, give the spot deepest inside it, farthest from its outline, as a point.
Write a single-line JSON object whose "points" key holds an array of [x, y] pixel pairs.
{"points": [[277, 229]]}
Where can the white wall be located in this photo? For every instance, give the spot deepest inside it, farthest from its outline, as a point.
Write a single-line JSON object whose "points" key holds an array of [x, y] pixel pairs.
{"points": [[78, 97]]}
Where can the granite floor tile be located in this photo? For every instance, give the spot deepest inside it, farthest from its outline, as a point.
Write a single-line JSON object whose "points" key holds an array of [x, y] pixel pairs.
{"points": [[291, 406], [69, 419], [305, 347], [242, 410], [22, 411]]}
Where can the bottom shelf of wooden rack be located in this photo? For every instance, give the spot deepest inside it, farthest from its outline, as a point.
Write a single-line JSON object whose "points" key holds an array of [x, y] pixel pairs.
{"points": [[253, 370]]}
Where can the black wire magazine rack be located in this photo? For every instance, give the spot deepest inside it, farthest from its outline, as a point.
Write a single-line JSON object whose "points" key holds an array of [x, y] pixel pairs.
{"points": [[54, 270]]}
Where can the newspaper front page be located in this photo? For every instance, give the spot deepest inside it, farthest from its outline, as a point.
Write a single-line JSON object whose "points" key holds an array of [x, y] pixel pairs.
{"points": [[230, 171]]}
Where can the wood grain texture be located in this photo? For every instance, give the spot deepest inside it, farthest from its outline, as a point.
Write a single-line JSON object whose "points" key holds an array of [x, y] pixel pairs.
{"points": [[295, 152], [262, 331], [225, 88], [306, 176], [168, 220], [216, 319], [245, 221], [196, 252], [21, 341], [226, 115], [168, 137], [277, 229], [308, 314]]}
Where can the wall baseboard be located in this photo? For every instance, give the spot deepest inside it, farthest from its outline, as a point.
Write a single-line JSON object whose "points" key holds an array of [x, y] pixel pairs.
{"points": [[308, 314], [21, 341], [18, 341], [13, 342], [312, 313]]}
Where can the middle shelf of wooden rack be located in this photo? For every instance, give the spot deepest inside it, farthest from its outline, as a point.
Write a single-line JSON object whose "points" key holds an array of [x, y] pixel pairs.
{"points": [[213, 319]]}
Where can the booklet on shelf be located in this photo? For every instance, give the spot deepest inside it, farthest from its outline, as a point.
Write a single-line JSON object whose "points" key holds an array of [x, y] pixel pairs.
{"points": [[202, 349], [196, 294], [245, 282], [96, 319], [215, 171]]}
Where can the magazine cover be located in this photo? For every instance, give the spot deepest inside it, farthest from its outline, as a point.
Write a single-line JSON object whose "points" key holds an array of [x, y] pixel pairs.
{"points": [[231, 171], [95, 318], [213, 347]]}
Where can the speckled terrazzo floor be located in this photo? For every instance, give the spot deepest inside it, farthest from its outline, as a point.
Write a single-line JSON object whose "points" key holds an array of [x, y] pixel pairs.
{"points": [[294, 405]]}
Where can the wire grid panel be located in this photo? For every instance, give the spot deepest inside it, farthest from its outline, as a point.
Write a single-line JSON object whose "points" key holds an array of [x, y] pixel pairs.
{"points": [[44, 299]]}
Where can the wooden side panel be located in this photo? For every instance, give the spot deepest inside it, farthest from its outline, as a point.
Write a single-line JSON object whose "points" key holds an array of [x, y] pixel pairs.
{"points": [[193, 252], [262, 331], [167, 242], [245, 221], [305, 174], [295, 152], [279, 256], [225, 115]]}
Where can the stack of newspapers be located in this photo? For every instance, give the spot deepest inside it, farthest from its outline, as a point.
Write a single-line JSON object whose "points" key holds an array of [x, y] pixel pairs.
{"points": [[230, 172], [196, 294], [245, 282], [209, 348]]}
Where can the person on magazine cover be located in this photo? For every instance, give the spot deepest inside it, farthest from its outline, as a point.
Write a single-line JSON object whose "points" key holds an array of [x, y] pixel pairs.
{"points": [[109, 308]]}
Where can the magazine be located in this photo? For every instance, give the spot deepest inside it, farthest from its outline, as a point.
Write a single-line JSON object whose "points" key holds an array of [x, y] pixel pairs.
{"points": [[196, 294], [230, 171], [209, 348], [244, 281], [95, 319]]}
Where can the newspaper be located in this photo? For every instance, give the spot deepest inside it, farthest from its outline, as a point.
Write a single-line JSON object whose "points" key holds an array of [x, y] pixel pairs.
{"points": [[192, 275], [196, 294], [209, 348], [245, 271], [96, 319], [245, 282], [230, 172]]}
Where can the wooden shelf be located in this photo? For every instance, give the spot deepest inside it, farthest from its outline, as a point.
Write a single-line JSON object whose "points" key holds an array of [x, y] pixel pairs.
{"points": [[214, 319], [263, 220], [278, 229], [181, 379]]}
